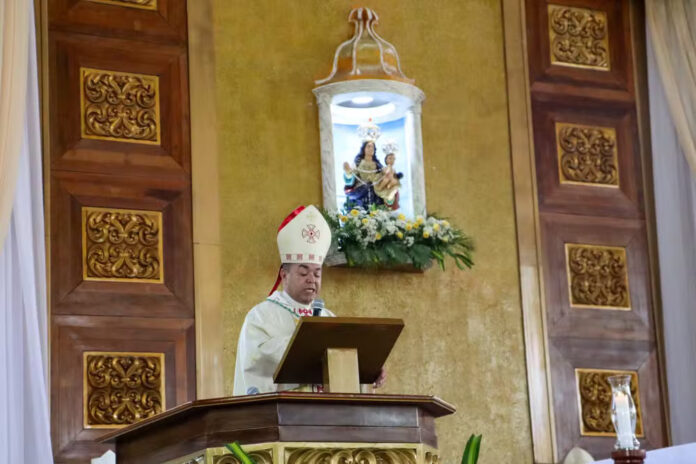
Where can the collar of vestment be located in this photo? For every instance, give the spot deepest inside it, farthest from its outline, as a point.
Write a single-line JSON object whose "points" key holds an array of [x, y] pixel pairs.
{"points": [[285, 301]]}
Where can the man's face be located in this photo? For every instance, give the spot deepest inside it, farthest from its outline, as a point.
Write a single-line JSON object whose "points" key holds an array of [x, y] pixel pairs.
{"points": [[301, 281]]}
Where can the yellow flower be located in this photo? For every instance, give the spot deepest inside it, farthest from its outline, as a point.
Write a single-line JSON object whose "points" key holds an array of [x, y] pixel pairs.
{"points": [[416, 224], [400, 234], [409, 226], [426, 235], [445, 223], [445, 239], [378, 236], [401, 217], [354, 212], [344, 218], [419, 220], [373, 213], [365, 221], [436, 227]]}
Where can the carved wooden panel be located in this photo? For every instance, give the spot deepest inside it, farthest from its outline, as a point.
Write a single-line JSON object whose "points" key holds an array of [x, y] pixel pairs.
{"points": [[587, 158], [162, 21], [580, 42], [592, 208], [587, 155], [594, 401], [579, 37], [122, 388], [123, 107], [73, 291], [73, 336], [121, 277], [118, 110], [597, 276], [122, 245], [628, 283], [310, 455]]}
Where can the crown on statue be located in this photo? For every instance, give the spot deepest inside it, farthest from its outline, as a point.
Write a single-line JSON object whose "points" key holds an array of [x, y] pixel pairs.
{"points": [[369, 132], [390, 147]]}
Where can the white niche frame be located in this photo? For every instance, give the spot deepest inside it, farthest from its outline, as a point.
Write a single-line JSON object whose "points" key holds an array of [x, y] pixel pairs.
{"points": [[325, 95]]}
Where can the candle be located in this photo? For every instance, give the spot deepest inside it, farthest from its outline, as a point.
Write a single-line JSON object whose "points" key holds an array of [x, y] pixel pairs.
{"points": [[624, 430]]}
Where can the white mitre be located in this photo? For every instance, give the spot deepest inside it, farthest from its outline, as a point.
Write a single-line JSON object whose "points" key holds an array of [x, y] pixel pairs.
{"points": [[304, 237]]}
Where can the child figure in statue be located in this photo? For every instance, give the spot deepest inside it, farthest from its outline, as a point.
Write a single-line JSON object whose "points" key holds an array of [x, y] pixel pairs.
{"points": [[387, 188], [360, 180]]}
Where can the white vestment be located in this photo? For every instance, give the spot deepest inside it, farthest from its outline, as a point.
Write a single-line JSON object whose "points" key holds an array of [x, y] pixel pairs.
{"points": [[264, 336]]}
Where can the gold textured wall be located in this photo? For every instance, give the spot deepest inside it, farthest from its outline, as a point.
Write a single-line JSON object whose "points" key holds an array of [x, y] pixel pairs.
{"points": [[463, 339]]}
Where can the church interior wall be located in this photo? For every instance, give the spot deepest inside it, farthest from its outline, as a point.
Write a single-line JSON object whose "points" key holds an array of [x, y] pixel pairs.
{"points": [[463, 339]]}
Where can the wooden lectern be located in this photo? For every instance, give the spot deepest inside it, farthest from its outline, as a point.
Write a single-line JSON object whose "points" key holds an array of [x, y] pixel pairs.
{"points": [[301, 427], [340, 352]]}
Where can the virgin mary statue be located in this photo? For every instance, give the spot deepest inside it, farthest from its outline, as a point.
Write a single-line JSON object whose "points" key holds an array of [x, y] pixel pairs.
{"points": [[365, 173]]}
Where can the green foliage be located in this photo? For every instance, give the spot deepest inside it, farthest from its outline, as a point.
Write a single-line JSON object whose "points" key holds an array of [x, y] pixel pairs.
{"points": [[471, 451], [381, 238], [237, 450]]}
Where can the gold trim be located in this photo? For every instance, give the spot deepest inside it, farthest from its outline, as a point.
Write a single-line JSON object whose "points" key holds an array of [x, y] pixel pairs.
{"points": [[528, 240], [160, 249], [146, 78], [588, 45], [560, 126], [150, 5], [85, 386], [206, 202], [622, 252], [634, 381]]}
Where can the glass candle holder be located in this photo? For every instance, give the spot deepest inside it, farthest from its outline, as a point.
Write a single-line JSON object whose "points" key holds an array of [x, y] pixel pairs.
{"points": [[623, 412]]}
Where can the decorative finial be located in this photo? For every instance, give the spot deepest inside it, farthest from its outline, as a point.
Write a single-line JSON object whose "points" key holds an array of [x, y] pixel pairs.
{"points": [[366, 55]]}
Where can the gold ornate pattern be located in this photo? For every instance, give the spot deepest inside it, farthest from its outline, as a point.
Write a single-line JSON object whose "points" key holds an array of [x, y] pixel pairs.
{"points": [[122, 245], [578, 37], [431, 458], [594, 401], [119, 106], [597, 276], [350, 456], [142, 4], [121, 388], [259, 457], [587, 155]]}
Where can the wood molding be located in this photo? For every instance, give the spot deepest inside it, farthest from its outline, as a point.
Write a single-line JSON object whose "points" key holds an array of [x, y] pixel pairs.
{"points": [[527, 222], [206, 201]]}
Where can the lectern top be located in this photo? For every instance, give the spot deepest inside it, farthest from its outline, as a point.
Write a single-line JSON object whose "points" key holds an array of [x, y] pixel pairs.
{"points": [[374, 339]]}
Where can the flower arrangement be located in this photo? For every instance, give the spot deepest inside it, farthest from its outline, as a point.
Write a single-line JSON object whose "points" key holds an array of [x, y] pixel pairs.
{"points": [[380, 237]]}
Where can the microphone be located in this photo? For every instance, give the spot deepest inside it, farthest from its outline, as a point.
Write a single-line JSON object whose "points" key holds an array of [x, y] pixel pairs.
{"points": [[317, 306]]}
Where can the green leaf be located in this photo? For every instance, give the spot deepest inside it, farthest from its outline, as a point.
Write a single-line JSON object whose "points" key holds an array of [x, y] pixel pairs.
{"points": [[237, 450], [471, 451]]}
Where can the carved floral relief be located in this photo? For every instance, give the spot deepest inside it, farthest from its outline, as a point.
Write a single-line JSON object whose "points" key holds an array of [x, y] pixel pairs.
{"points": [[594, 400], [122, 388], [587, 155], [578, 37], [597, 276], [119, 106], [122, 245]]}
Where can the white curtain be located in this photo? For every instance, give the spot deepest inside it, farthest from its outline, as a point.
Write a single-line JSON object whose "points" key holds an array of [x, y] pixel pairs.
{"points": [[24, 414], [675, 205]]}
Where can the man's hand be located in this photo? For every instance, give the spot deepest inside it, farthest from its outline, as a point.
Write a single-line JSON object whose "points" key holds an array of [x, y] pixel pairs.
{"points": [[381, 379]]}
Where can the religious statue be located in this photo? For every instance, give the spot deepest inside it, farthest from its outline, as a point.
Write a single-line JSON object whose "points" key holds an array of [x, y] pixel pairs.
{"points": [[387, 187], [361, 178]]}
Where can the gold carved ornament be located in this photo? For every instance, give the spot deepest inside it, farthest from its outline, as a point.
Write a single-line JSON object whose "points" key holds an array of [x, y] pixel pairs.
{"points": [[122, 388], [594, 398], [350, 456], [259, 457], [587, 155], [578, 37], [143, 4], [122, 245], [118, 106], [597, 276]]}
